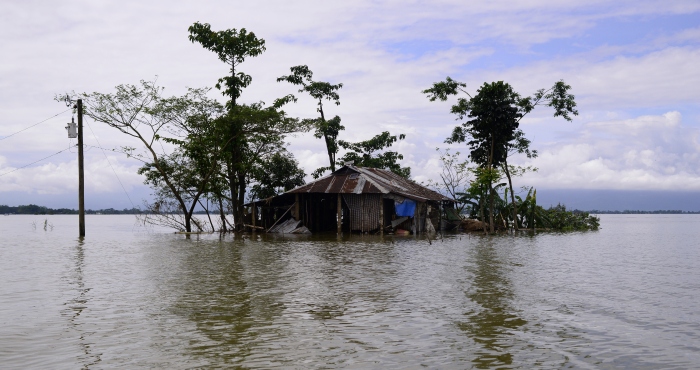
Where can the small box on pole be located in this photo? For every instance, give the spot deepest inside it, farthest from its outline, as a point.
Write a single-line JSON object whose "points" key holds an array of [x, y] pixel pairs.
{"points": [[72, 129]]}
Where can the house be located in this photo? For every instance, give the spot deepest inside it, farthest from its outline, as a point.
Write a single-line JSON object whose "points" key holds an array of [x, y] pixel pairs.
{"points": [[352, 199]]}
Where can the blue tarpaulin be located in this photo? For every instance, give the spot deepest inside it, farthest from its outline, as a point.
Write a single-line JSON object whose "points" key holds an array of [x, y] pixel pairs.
{"points": [[407, 208]]}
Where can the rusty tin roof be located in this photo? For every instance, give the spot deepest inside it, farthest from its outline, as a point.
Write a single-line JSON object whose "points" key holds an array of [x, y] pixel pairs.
{"points": [[364, 180]]}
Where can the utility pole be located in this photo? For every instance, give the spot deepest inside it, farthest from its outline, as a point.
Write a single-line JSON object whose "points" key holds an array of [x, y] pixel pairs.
{"points": [[81, 171]]}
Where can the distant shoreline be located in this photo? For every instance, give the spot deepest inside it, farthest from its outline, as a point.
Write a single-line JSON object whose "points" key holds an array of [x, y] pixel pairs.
{"points": [[33, 209]]}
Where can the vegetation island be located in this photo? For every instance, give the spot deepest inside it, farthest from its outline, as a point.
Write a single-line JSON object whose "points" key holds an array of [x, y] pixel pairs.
{"points": [[223, 160]]}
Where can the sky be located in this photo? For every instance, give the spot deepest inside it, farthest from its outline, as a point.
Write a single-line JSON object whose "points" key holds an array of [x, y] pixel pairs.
{"points": [[632, 65]]}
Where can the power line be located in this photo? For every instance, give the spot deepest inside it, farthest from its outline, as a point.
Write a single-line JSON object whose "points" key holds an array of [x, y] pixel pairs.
{"points": [[110, 164], [24, 129], [25, 166]]}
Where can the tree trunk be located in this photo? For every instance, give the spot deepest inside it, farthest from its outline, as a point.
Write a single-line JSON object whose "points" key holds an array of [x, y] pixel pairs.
{"points": [[331, 160], [534, 208], [235, 165], [512, 196], [208, 215], [241, 200], [234, 194], [482, 199], [221, 213], [490, 167]]}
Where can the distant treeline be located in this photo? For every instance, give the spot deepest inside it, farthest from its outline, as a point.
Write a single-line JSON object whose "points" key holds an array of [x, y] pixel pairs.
{"points": [[33, 209], [658, 212]]}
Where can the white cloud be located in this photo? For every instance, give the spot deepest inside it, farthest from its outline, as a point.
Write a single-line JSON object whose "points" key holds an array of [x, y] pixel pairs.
{"points": [[644, 153], [384, 52], [61, 177]]}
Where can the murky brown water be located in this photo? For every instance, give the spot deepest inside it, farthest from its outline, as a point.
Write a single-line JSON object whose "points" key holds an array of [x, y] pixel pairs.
{"points": [[130, 297]]}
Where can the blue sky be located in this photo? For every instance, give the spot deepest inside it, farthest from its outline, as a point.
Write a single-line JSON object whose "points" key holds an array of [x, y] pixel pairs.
{"points": [[632, 66]]}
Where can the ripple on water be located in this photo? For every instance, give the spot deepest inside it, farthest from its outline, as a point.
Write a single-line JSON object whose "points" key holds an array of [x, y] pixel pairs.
{"points": [[129, 297]]}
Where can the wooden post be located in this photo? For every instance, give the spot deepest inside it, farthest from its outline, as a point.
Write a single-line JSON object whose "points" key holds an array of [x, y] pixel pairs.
{"points": [[340, 214], [362, 213], [296, 207], [254, 207], [317, 212], [81, 172], [381, 215]]}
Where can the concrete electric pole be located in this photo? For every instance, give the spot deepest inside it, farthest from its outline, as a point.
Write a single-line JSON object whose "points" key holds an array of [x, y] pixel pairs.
{"points": [[74, 132], [81, 171]]}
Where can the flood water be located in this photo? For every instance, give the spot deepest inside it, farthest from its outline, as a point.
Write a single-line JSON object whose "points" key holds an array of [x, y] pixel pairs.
{"points": [[131, 297]]}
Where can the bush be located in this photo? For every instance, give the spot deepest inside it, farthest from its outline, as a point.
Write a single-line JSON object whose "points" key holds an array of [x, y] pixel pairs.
{"points": [[559, 218]]}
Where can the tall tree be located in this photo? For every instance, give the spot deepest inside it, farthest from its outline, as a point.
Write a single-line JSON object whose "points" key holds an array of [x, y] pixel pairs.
{"points": [[232, 46], [373, 153], [495, 113], [320, 91]]}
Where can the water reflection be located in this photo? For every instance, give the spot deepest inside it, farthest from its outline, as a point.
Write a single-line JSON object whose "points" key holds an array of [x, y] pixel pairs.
{"points": [[250, 301], [219, 287], [78, 304], [491, 319]]}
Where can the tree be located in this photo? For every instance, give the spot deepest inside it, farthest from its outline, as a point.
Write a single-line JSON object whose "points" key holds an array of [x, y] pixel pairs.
{"points": [[275, 175], [455, 177], [264, 130], [166, 128], [495, 113], [521, 145], [232, 47], [326, 129], [372, 153], [493, 119]]}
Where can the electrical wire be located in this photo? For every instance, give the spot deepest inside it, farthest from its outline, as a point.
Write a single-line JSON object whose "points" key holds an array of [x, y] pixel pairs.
{"points": [[110, 163], [25, 166], [24, 129]]}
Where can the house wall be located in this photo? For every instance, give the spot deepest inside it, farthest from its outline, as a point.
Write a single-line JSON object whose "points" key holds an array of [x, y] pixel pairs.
{"points": [[365, 211]]}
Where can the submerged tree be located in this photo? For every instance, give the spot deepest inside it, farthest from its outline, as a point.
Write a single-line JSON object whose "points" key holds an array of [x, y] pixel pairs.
{"points": [[320, 91], [493, 120], [494, 115], [256, 132], [169, 132], [232, 46]]}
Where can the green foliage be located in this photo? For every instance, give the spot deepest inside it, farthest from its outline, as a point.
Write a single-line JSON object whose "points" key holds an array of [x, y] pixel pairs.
{"points": [[494, 113], [442, 90], [530, 214], [373, 153], [232, 47], [319, 90], [275, 175], [557, 97], [253, 132], [554, 218], [477, 193], [560, 219], [493, 120]]}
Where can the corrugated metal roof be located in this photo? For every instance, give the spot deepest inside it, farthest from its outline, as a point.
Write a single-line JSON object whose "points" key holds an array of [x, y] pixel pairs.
{"points": [[363, 180]]}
